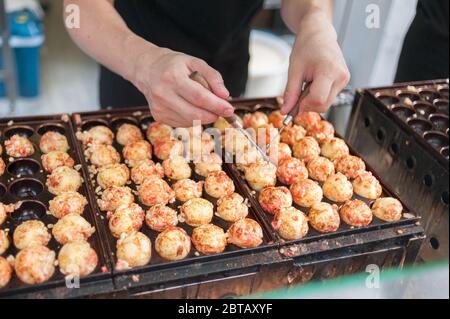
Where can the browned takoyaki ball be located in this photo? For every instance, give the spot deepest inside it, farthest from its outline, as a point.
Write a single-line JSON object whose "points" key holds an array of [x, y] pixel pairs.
{"points": [[197, 211], [276, 119], [209, 239], [187, 189], [35, 264], [245, 233], [306, 149], [324, 217], [208, 163], [367, 185], [232, 207], [158, 132], [173, 244], [290, 223], [177, 168], [307, 119], [306, 192], [334, 148], [291, 170], [321, 131], [388, 209], [279, 152], [161, 217], [126, 220], [222, 124], [96, 135], [135, 152], [145, 169], [350, 166], [4, 211], [72, 227], [260, 175], [4, 241], [6, 272], [168, 148], [248, 156], [56, 159], [320, 168], [2, 167], [31, 233], [292, 134], [114, 197], [273, 199], [235, 142], [64, 179], [356, 213], [128, 133], [154, 191], [19, 146], [338, 188], [266, 134], [113, 175], [77, 259], [134, 250], [218, 184], [255, 120], [102, 155], [67, 203], [53, 141]]}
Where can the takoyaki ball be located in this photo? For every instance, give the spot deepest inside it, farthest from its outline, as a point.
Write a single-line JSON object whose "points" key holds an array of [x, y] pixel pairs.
{"points": [[291, 170], [102, 155], [320, 168], [126, 220], [135, 250], [222, 124], [177, 168], [96, 135], [246, 157], [173, 244], [72, 227], [306, 149], [160, 217], [367, 185], [209, 239], [235, 142], [5, 272], [113, 175], [276, 119], [324, 217], [114, 197], [338, 188], [321, 131], [53, 160], [77, 259], [356, 213], [334, 148], [35, 264], [200, 146], [154, 191], [168, 148], [128, 133], [279, 152], [31, 233], [218, 184], [67, 203], [255, 120], [187, 189], [2, 167], [158, 132], [19, 146], [273, 199], [306, 193], [350, 166], [135, 152], [232, 207], [64, 179], [145, 169], [260, 175], [245, 233], [307, 119], [266, 134], [197, 211], [290, 223], [4, 211], [208, 163], [53, 141], [292, 134], [388, 209], [4, 241]]}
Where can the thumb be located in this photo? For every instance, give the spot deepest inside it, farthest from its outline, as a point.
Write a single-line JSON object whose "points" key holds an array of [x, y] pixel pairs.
{"points": [[212, 76]]}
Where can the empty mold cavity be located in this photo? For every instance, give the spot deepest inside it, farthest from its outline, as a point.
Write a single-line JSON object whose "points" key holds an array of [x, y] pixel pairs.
{"points": [[403, 112], [2, 191], [24, 131], [29, 210], [444, 152], [24, 167], [436, 139], [424, 109], [439, 121], [407, 97], [441, 106], [420, 126], [388, 99], [429, 95], [26, 188]]}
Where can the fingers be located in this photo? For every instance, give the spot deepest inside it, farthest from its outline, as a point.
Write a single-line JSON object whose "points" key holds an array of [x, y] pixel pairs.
{"points": [[293, 89], [212, 76], [318, 95]]}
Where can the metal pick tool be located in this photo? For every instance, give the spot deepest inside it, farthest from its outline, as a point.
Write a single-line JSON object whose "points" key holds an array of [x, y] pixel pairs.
{"points": [[290, 116], [195, 76]]}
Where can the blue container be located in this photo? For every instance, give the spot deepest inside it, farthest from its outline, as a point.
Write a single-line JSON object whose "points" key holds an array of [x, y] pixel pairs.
{"points": [[26, 40]]}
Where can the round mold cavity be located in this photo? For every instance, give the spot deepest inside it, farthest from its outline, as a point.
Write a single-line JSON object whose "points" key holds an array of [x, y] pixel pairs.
{"points": [[388, 99], [429, 95], [51, 128], [117, 122], [424, 109], [22, 130], [88, 124], [146, 120], [407, 97], [403, 112], [443, 91], [29, 210], [437, 140], [24, 167], [441, 106], [439, 121], [420, 126], [26, 188], [445, 152], [3, 190]]}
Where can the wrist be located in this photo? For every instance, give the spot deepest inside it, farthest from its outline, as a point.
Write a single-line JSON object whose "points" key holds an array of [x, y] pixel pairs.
{"points": [[316, 23]]}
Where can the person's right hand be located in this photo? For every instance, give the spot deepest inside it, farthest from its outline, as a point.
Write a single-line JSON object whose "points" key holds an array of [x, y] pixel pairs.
{"points": [[174, 98]]}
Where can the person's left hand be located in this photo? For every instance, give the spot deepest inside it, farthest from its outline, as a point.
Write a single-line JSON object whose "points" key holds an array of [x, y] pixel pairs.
{"points": [[317, 58]]}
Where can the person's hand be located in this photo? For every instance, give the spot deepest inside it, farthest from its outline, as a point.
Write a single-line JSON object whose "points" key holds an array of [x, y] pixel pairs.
{"points": [[317, 58], [174, 99]]}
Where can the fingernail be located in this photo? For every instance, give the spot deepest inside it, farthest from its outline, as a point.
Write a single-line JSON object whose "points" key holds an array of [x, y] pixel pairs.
{"points": [[228, 111]]}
